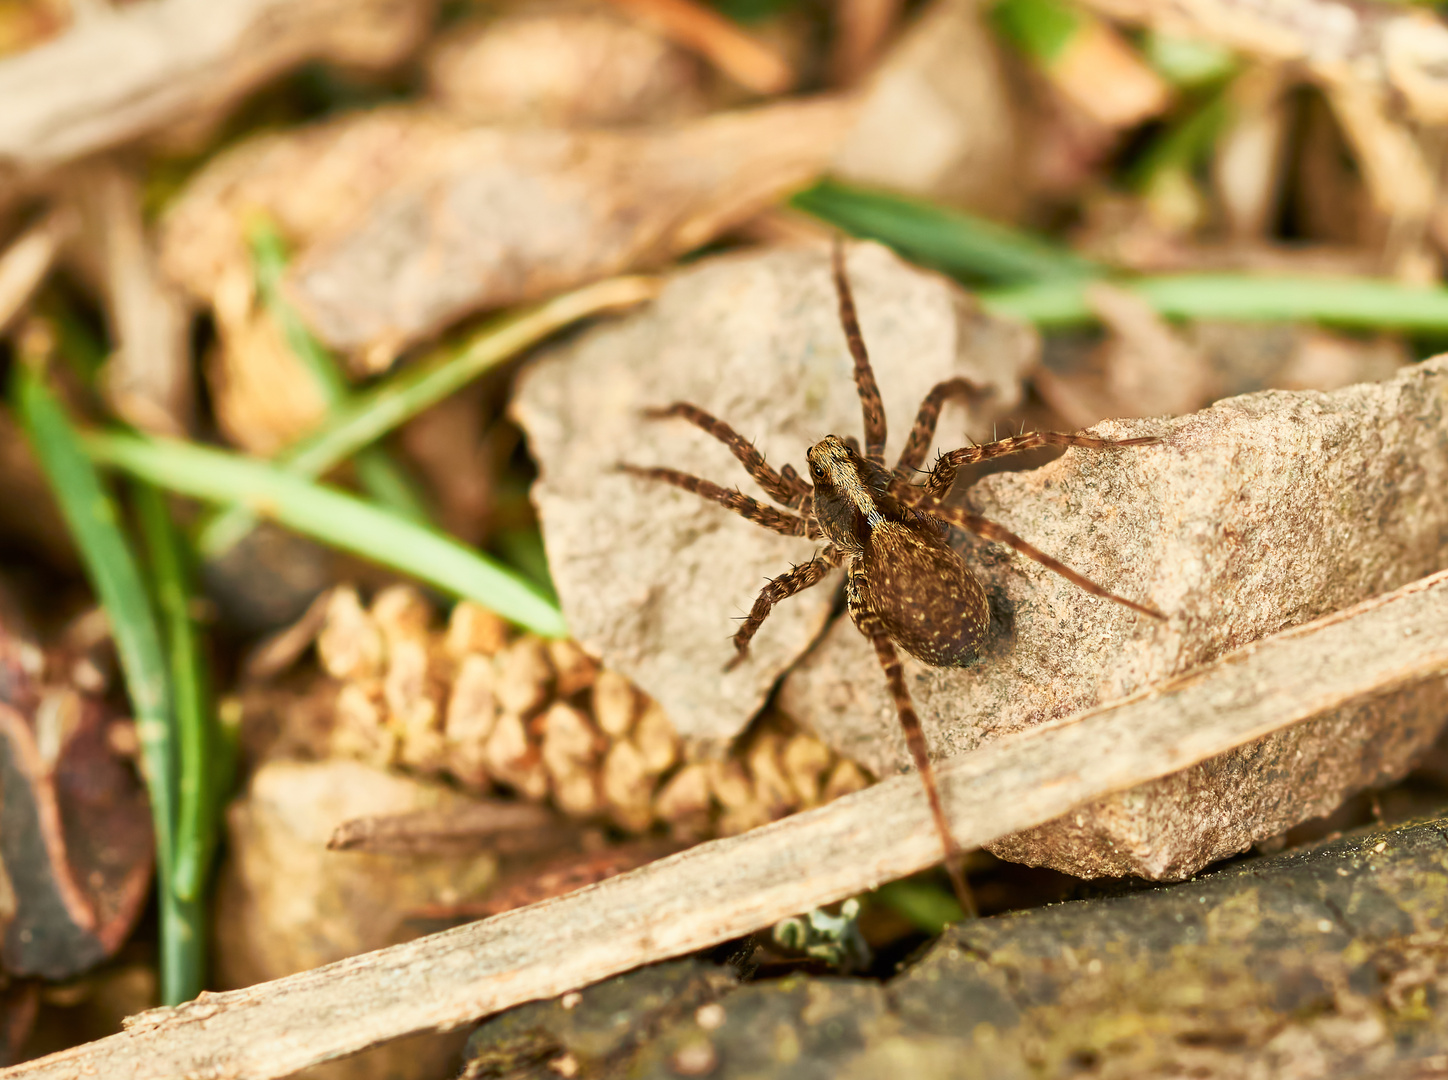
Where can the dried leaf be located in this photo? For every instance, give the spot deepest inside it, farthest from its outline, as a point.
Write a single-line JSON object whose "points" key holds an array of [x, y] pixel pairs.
{"points": [[110, 80], [562, 67], [76, 851], [500, 217], [938, 119]]}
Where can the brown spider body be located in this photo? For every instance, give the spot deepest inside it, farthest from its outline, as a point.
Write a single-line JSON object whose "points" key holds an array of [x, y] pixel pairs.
{"points": [[904, 584], [901, 575]]}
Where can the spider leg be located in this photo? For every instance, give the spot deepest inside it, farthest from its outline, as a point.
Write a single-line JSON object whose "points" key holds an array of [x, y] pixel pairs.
{"points": [[1001, 535], [756, 511], [915, 740], [923, 433], [870, 404], [784, 487], [786, 585], [942, 474]]}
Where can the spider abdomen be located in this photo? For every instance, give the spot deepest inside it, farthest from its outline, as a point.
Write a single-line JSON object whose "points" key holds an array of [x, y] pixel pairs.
{"points": [[917, 588]]}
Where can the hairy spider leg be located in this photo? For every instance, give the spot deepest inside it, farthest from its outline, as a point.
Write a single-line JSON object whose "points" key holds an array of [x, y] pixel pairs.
{"points": [[756, 511], [783, 587], [988, 529], [923, 432], [915, 740], [942, 473], [871, 405], [784, 487]]}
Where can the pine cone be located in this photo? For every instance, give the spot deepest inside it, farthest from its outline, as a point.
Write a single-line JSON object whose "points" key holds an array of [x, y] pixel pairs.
{"points": [[482, 706]]}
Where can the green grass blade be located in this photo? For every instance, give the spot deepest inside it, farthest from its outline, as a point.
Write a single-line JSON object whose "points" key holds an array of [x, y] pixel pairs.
{"points": [[370, 415], [925, 903], [196, 822], [964, 246], [333, 517], [1362, 303], [379, 475], [94, 522]]}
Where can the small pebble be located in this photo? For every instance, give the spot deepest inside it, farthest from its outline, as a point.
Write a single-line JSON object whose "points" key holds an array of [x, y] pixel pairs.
{"points": [[571, 1000], [564, 1064], [710, 1017], [695, 1058]]}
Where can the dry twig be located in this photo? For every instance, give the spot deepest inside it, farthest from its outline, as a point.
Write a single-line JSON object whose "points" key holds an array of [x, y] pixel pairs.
{"points": [[744, 58], [25, 263], [723, 889]]}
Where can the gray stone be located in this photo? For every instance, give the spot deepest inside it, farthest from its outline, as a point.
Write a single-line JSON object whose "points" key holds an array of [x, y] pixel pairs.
{"points": [[1255, 515], [650, 577]]}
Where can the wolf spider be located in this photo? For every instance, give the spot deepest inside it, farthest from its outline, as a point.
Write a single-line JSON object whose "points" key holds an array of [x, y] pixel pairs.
{"points": [[904, 585]]}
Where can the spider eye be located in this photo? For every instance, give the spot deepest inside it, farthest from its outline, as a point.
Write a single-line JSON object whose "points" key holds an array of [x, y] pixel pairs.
{"points": [[818, 470]]}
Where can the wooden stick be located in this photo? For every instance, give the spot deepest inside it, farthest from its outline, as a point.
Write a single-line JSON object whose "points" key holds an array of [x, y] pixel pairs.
{"points": [[731, 887], [747, 60]]}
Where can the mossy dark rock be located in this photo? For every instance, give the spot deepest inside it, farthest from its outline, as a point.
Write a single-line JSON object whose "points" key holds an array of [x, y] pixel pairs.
{"points": [[1328, 961]]}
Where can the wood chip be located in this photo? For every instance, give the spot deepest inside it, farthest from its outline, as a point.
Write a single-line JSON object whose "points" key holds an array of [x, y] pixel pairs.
{"points": [[628, 787], [473, 628], [524, 674], [615, 703], [350, 643]]}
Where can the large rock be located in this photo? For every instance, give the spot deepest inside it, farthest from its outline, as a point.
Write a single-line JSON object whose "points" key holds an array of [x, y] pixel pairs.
{"points": [[1257, 514], [1326, 962], [651, 578]]}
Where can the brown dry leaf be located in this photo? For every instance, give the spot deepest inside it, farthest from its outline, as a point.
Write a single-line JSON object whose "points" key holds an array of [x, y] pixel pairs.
{"points": [[1103, 76], [1381, 47], [562, 66], [650, 577], [147, 380], [112, 79], [1149, 368], [721, 890], [76, 852], [312, 182], [263, 395], [1146, 367], [939, 119], [285, 903], [500, 217], [1259, 513], [1371, 61], [1251, 153], [861, 29]]}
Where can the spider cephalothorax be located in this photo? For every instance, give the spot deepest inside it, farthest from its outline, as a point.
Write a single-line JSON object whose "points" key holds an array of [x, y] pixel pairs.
{"points": [[904, 584]]}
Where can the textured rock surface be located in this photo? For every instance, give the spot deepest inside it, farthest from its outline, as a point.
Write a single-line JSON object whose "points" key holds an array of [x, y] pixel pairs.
{"points": [[1259, 513], [1319, 963], [286, 904], [651, 577]]}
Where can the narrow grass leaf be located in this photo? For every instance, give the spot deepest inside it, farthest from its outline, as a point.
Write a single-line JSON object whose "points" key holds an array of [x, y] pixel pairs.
{"points": [[197, 807], [333, 517], [368, 416], [960, 244], [114, 573], [1365, 303], [380, 476]]}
